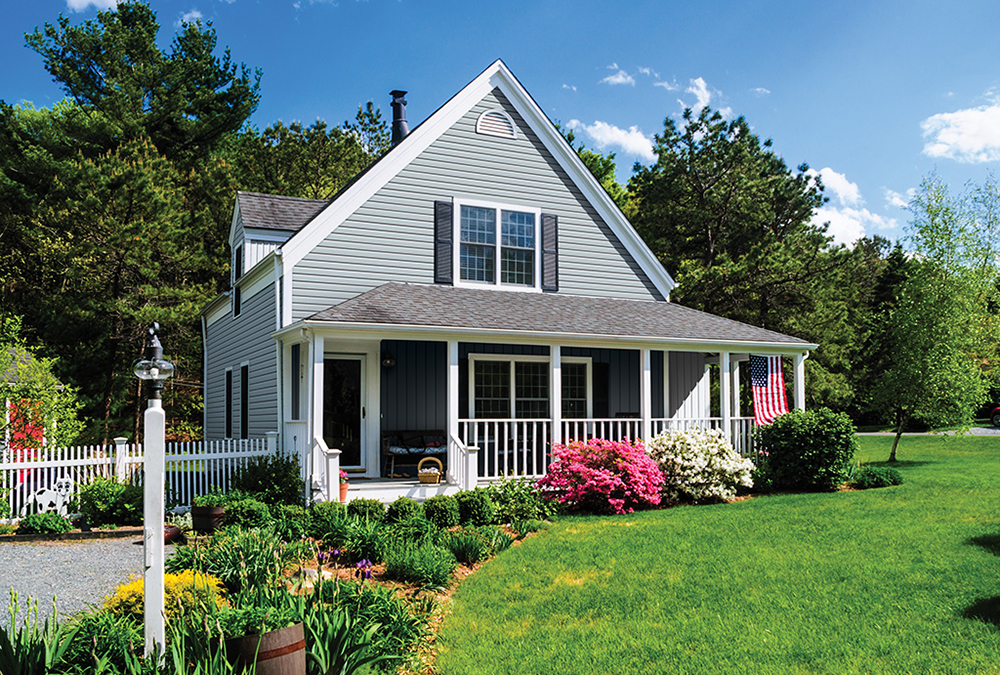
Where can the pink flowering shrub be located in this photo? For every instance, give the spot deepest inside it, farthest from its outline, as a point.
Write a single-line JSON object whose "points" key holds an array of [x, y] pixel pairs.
{"points": [[602, 476]]}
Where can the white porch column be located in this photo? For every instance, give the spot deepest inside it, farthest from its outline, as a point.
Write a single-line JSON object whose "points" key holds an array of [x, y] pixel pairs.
{"points": [[725, 394], [315, 410], [736, 388], [800, 381], [646, 396], [555, 392], [666, 385]]}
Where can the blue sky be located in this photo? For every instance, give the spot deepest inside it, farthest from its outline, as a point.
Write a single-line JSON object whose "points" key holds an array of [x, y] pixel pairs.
{"points": [[872, 95]]}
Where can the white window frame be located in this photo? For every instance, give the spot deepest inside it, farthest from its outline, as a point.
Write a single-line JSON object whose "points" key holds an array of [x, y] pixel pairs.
{"points": [[458, 203], [527, 358]]}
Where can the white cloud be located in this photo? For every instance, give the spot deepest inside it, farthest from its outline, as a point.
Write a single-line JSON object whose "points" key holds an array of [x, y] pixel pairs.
{"points": [[619, 77], [970, 136], [669, 86], [846, 192], [847, 225], [82, 5], [900, 201], [699, 88], [569, 86], [188, 17], [649, 72], [760, 91], [631, 141]]}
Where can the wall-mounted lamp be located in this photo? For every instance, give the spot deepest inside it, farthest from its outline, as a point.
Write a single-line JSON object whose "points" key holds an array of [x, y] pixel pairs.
{"points": [[388, 361]]}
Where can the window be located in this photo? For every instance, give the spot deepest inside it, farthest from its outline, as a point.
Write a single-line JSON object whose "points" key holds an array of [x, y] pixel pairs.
{"points": [[237, 302], [229, 403], [500, 384], [237, 264], [498, 245]]}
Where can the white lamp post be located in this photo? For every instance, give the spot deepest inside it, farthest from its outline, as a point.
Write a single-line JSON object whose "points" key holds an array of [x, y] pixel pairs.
{"points": [[154, 370]]}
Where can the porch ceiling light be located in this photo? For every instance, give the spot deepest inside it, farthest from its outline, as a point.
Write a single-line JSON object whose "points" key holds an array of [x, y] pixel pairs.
{"points": [[154, 369], [387, 360]]}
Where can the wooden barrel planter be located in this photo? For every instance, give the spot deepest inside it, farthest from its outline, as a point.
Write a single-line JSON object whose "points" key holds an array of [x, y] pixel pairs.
{"points": [[277, 652], [207, 519]]}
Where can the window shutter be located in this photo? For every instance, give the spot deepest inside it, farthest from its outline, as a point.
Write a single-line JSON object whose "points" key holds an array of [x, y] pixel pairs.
{"points": [[443, 250], [550, 252]]}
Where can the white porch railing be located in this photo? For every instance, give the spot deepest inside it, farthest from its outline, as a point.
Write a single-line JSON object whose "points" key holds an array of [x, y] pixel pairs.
{"points": [[508, 447], [520, 447], [191, 468]]}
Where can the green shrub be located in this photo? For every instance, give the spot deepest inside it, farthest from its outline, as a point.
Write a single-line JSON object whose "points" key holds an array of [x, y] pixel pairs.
{"points": [[468, 545], [523, 527], [402, 509], [475, 507], [417, 531], [272, 479], [108, 502], [498, 539], [808, 450], [49, 522], [369, 509], [364, 540], [326, 518], [442, 510], [428, 565], [290, 521], [876, 476], [247, 513], [518, 499], [118, 639]]}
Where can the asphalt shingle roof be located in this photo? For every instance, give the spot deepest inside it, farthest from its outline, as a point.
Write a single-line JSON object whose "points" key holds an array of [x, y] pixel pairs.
{"points": [[274, 212], [469, 308]]}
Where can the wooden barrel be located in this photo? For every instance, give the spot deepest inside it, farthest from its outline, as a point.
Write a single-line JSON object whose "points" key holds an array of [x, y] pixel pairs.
{"points": [[207, 518], [277, 652]]}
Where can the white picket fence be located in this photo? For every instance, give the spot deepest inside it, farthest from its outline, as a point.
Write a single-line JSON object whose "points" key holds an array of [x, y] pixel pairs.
{"points": [[55, 475]]}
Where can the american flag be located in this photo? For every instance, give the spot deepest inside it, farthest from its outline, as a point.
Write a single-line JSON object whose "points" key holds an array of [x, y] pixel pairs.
{"points": [[768, 386]]}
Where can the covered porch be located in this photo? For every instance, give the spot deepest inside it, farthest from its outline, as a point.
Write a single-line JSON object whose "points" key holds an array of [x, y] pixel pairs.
{"points": [[374, 396]]}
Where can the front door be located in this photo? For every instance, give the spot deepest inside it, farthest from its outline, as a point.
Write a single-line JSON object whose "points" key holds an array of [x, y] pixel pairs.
{"points": [[344, 407]]}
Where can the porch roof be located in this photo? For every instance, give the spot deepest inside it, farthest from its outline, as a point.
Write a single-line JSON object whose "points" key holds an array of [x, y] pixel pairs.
{"points": [[434, 306]]}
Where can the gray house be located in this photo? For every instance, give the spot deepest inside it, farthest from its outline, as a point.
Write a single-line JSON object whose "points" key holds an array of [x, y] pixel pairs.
{"points": [[473, 297]]}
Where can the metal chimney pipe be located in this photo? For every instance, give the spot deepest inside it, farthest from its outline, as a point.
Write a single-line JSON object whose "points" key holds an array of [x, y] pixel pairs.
{"points": [[399, 126]]}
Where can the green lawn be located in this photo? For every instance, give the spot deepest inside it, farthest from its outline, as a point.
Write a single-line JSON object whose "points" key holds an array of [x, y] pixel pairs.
{"points": [[895, 580]]}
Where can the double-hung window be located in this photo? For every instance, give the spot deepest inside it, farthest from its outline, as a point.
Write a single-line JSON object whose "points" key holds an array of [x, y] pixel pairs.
{"points": [[497, 245], [502, 385]]}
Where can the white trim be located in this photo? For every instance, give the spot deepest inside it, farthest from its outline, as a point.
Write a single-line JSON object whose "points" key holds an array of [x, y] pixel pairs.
{"points": [[483, 129], [251, 234], [495, 76], [456, 211], [217, 309], [363, 450]]}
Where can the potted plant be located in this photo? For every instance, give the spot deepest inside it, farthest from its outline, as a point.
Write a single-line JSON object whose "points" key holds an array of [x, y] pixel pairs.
{"points": [[344, 485], [268, 637], [208, 511]]}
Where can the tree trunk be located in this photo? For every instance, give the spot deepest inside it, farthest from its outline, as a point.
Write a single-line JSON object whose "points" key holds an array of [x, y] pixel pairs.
{"points": [[899, 432]]}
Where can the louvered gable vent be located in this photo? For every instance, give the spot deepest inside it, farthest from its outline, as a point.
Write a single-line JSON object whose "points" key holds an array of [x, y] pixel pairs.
{"points": [[496, 123]]}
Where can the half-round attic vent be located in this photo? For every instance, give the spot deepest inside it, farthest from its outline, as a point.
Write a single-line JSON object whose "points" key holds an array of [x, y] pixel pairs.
{"points": [[496, 123]]}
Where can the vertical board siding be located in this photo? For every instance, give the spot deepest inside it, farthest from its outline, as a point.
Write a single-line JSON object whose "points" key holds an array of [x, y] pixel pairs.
{"points": [[254, 251], [414, 391], [230, 342], [689, 386], [391, 237]]}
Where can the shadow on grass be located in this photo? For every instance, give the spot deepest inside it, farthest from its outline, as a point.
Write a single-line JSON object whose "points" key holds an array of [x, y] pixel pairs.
{"points": [[986, 610], [899, 464], [991, 542]]}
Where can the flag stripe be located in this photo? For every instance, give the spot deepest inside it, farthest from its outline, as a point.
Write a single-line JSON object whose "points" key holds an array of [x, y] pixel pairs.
{"points": [[768, 385]]}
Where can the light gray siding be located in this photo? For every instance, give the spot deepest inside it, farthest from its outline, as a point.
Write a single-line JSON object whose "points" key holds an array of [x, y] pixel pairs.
{"points": [[390, 238], [231, 342]]}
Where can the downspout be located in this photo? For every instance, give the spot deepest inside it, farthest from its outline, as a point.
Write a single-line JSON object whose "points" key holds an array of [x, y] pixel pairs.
{"points": [[204, 376], [279, 348]]}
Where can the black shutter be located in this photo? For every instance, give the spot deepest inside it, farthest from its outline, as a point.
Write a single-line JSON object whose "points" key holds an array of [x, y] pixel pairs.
{"points": [[443, 249], [550, 252]]}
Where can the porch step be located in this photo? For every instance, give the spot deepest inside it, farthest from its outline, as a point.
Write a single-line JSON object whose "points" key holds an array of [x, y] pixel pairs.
{"points": [[388, 491]]}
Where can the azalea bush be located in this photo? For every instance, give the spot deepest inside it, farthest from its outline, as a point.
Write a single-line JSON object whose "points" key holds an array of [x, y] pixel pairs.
{"points": [[699, 465], [602, 476]]}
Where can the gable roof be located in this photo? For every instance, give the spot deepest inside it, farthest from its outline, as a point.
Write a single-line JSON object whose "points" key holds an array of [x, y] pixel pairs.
{"points": [[274, 212], [436, 306], [496, 76]]}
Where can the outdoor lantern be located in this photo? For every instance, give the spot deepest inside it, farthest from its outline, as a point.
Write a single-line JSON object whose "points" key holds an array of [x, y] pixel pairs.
{"points": [[387, 360], [154, 370]]}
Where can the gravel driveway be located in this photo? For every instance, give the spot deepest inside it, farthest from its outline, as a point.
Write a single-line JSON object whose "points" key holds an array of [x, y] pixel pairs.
{"points": [[77, 573]]}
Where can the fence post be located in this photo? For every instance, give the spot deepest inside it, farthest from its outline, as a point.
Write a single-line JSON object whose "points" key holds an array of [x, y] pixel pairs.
{"points": [[272, 442], [121, 455]]}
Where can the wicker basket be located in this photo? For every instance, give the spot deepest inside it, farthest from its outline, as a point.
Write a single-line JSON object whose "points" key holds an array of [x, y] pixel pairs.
{"points": [[428, 477]]}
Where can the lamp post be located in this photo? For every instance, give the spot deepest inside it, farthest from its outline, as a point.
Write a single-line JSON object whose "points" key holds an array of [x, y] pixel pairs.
{"points": [[154, 370]]}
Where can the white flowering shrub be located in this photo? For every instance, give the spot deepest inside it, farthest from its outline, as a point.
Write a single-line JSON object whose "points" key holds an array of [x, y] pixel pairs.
{"points": [[699, 464]]}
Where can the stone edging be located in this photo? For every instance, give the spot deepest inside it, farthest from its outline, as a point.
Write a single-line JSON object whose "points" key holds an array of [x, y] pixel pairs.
{"points": [[120, 533]]}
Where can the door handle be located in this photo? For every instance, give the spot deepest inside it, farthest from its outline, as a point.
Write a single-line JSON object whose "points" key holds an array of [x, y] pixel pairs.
{"points": [[362, 412]]}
